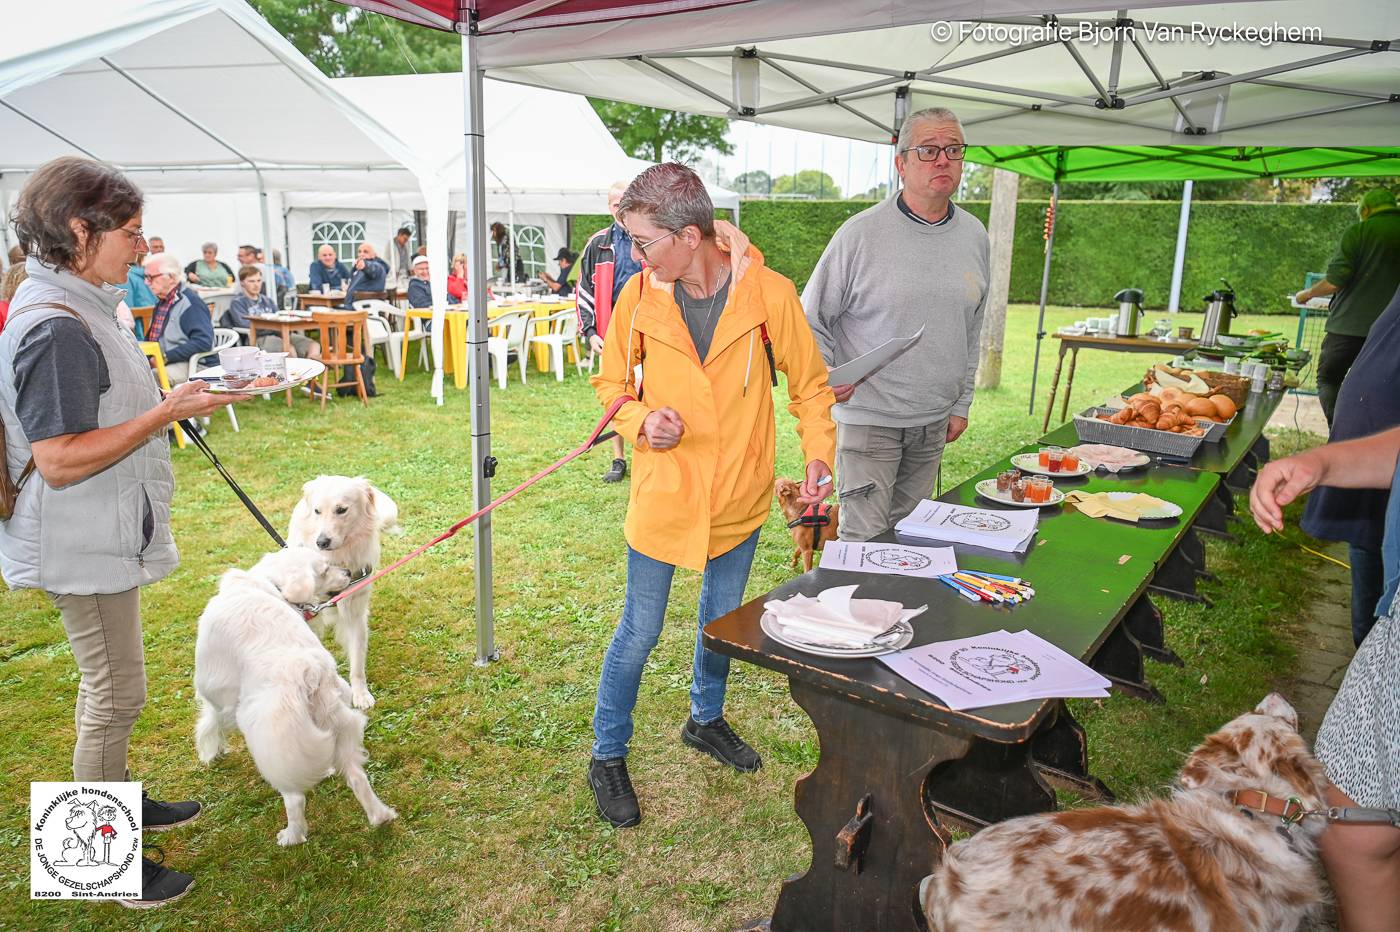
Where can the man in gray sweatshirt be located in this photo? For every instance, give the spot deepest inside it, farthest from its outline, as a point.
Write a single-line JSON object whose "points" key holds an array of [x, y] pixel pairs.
{"points": [[911, 261]]}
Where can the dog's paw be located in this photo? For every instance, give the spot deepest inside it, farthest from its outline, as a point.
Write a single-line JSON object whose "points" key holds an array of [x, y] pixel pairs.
{"points": [[383, 815], [360, 698], [291, 836]]}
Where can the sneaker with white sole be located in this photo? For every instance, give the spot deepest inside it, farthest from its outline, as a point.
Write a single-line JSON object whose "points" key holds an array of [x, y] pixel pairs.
{"points": [[157, 816], [159, 884], [616, 472]]}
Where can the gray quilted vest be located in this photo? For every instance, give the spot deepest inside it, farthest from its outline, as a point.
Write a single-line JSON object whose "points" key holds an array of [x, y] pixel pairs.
{"points": [[111, 531]]}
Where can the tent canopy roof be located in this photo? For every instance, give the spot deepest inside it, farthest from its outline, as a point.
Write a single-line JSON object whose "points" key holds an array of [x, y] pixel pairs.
{"points": [[188, 95], [1182, 163], [837, 67]]}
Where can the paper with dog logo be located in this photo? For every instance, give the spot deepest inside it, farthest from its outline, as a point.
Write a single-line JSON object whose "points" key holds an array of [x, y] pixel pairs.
{"points": [[995, 669], [852, 371], [893, 559]]}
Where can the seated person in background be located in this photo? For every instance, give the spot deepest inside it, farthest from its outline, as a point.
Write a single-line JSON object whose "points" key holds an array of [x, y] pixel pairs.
{"points": [[457, 280], [137, 294], [286, 283], [327, 270], [16, 257], [420, 290], [561, 287], [180, 322], [156, 244], [370, 274], [9, 284], [249, 301], [209, 272]]}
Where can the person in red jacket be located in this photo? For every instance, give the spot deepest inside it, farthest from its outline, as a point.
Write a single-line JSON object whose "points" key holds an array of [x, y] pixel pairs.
{"points": [[605, 266]]}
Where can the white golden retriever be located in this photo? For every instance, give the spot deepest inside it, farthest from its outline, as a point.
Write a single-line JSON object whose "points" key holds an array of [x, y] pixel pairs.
{"points": [[259, 668], [342, 517]]}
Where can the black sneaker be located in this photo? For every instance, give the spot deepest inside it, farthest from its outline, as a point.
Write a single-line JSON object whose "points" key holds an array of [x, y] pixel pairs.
{"points": [[616, 472], [159, 884], [157, 816], [722, 743], [612, 790]]}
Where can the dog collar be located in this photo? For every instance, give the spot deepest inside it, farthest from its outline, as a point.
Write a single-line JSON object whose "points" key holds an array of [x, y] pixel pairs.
{"points": [[1289, 811]]}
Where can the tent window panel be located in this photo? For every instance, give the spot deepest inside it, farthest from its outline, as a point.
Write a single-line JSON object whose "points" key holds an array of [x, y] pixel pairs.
{"points": [[529, 241], [344, 236]]}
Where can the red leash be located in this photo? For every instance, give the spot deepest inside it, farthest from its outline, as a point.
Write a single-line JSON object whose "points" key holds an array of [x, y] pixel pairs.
{"points": [[583, 448]]}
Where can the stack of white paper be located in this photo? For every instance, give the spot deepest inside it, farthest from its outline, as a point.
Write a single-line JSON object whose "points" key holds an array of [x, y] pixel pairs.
{"points": [[894, 559], [1007, 530], [833, 617], [994, 669]]}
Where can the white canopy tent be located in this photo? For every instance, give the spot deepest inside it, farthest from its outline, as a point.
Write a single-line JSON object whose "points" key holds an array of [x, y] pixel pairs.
{"points": [[190, 96], [548, 155]]}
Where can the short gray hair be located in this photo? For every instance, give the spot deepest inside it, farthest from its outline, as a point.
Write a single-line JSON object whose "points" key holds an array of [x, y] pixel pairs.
{"points": [[167, 263], [672, 196], [933, 114], [213, 246]]}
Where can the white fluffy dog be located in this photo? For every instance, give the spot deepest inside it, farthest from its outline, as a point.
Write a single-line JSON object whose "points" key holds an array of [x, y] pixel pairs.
{"points": [[342, 517], [259, 668]]}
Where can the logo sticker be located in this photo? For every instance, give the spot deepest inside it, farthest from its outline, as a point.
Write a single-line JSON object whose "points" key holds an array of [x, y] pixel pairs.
{"points": [[84, 841]]}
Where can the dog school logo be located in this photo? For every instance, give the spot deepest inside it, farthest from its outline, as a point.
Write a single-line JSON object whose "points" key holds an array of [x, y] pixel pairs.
{"points": [[994, 665], [84, 841]]}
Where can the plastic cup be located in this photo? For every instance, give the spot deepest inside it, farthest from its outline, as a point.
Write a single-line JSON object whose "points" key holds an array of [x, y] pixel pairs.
{"points": [[1004, 480], [1232, 365], [325, 288], [1071, 462], [1044, 459], [1018, 490], [1054, 458]]}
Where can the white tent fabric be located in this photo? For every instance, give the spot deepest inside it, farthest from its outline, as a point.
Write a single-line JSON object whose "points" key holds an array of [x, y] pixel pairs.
{"points": [[547, 152], [195, 96], [838, 68]]}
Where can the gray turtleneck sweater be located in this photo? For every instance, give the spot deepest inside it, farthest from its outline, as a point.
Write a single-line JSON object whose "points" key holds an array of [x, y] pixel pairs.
{"points": [[885, 275]]}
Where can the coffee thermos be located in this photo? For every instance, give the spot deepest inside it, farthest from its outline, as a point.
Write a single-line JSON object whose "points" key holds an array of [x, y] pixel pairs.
{"points": [[1220, 307], [1129, 311]]}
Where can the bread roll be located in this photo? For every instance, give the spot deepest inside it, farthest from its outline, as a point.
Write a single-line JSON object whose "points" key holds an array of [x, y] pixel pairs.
{"points": [[1224, 407]]}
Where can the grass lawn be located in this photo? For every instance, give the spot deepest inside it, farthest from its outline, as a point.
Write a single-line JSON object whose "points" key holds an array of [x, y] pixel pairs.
{"points": [[486, 765]]}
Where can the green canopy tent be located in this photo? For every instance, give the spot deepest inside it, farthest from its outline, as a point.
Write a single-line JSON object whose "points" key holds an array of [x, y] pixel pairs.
{"points": [[1058, 164]]}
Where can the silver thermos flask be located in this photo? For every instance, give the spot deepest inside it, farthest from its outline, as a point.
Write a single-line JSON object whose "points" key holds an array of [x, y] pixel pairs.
{"points": [[1129, 311], [1220, 307]]}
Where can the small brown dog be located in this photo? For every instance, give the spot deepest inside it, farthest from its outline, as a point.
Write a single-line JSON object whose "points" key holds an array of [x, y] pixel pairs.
{"points": [[1206, 858], [805, 539]]}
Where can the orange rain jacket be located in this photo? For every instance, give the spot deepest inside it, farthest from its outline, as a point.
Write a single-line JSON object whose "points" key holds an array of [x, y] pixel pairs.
{"points": [[706, 495]]}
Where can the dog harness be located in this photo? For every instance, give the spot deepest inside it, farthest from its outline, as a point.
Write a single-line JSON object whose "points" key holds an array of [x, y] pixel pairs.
{"points": [[815, 517]]}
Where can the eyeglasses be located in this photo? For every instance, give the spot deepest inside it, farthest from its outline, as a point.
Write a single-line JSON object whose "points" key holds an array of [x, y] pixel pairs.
{"points": [[643, 247], [150, 278], [137, 235], [954, 152]]}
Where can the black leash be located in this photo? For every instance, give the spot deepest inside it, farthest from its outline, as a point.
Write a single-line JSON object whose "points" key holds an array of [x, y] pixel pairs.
{"points": [[193, 434]]}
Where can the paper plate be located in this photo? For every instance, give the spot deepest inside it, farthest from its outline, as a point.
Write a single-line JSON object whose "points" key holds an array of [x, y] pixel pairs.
{"points": [[1030, 462], [897, 638], [987, 488], [299, 372], [1167, 510]]}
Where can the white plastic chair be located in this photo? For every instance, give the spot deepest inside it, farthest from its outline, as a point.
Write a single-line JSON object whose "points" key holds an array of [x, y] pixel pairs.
{"points": [[514, 328], [224, 338], [382, 334], [389, 314], [562, 332]]}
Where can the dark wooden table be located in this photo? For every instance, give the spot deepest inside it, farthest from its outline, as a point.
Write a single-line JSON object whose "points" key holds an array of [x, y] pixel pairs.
{"points": [[1072, 344], [898, 767]]}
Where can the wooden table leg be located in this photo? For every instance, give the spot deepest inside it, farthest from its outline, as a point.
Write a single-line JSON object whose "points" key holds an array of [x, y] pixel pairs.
{"points": [[885, 760], [1144, 622], [291, 352], [1054, 384], [1120, 660], [1061, 754], [991, 783], [1069, 384]]}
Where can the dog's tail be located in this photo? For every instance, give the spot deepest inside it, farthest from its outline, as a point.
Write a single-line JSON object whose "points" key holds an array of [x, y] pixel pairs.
{"points": [[387, 511]]}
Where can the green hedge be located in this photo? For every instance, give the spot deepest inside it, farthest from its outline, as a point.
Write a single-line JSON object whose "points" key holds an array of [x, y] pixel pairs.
{"points": [[1100, 246]]}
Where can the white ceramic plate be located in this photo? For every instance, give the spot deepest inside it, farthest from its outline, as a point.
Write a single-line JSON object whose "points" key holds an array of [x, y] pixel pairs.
{"points": [[1030, 462], [987, 488], [299, 372], [897, 638], [1168, 509]]}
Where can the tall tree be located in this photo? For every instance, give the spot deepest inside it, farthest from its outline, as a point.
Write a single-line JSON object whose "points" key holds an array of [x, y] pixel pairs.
{"points": [[344, 41], [662, 135], [809, 183], [757, 181]]}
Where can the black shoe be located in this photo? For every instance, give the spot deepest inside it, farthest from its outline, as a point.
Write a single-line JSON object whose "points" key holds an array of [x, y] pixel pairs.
{"points": [[157, 816], [612, 790], [721, 742], [159, 884], [616, 471]]}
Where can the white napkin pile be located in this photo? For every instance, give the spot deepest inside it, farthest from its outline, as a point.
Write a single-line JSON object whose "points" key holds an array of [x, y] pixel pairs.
{"points": [[833, 617]]}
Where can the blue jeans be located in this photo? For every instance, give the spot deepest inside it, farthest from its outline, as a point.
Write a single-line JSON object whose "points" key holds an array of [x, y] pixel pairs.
{"points": [[643, 613], [1367, 583]]}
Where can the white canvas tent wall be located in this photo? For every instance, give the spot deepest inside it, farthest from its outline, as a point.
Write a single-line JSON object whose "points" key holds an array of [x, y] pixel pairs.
{"points": [[194, 96], [548, 155]]}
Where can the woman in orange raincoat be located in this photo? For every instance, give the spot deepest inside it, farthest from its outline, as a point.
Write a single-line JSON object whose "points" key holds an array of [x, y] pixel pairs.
{"points": [[695, 339]]}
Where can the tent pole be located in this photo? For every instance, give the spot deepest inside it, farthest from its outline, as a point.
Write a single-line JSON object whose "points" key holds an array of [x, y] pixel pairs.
{"points": [[483, 464], [269, 276], [1174, 302], [1044, 289]]}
